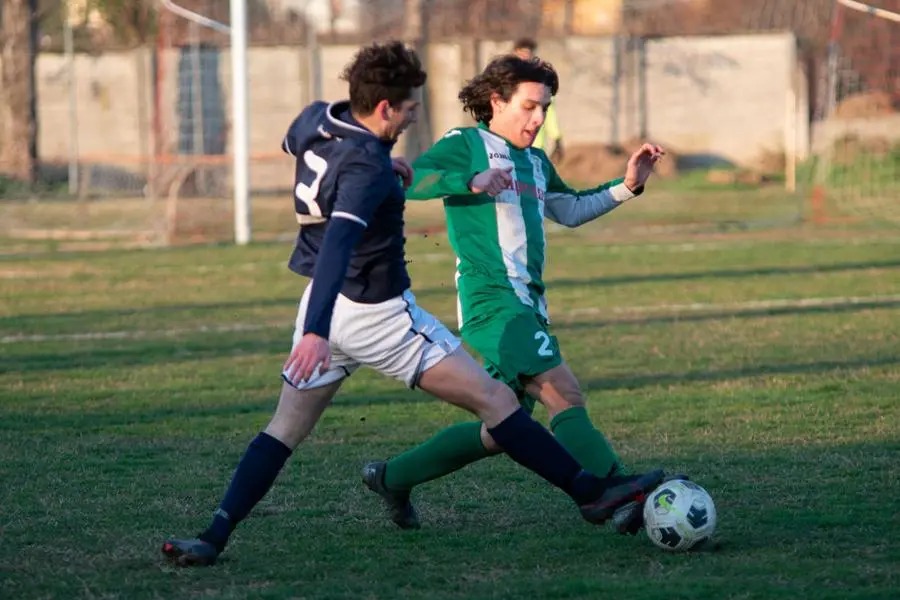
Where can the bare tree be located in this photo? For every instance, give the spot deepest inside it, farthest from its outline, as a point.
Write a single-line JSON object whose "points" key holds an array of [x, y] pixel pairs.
{"points": [[18, 97]]}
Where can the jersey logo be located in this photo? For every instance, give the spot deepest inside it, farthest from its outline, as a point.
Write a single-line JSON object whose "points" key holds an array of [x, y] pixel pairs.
{"points": [[522, 187], [452, 132]]}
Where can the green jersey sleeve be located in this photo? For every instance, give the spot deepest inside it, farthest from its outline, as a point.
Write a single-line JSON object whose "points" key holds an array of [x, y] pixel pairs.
{"points": [[445, 169], [570, 207]]}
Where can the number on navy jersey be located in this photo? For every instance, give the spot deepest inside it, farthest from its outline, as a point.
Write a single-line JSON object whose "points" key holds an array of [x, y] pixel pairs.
{"points": [[306, 195], [318, 196]]}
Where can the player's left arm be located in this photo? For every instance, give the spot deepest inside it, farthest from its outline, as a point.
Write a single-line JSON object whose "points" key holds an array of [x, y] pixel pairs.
{"points": [[572, 208], [361, 188]]}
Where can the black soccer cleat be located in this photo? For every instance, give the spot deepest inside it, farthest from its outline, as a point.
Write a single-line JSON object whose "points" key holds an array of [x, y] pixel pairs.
{"points": [[190, 553], [401, 510], [628, 519], [619, 491]]}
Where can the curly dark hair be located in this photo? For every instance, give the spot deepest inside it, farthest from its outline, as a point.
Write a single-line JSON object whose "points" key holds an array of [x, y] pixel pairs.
{"points": [[502, 76], [389, 71]]}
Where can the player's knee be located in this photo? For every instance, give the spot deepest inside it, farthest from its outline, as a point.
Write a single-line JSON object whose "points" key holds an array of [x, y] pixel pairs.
{"points": [[289, 431], [288, 436], [298, 412], [495, 400], [494, 393]]}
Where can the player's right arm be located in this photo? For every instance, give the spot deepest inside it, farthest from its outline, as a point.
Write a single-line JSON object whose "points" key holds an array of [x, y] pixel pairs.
{"points": [[446, 169]]}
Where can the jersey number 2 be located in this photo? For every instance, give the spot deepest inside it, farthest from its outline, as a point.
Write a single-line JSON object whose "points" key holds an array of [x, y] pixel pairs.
{"points": [[307, 194], [544, 349]]}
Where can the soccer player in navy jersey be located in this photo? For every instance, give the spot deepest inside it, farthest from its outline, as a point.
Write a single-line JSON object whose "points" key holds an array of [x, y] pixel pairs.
{"points": [[358, 308]]}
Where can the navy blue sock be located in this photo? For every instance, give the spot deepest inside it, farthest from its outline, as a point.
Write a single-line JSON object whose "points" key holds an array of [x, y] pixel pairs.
{"points": [[255, 474], [535, 448]]}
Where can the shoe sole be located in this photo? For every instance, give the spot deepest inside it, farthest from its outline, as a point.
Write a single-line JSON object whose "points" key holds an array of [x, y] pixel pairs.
{"points": [[627, 519], [185, 559], [599, 512], [399, 522]]}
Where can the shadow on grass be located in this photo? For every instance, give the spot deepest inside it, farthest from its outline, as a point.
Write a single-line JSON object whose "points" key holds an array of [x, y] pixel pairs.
{"points": [[65, 356], [628, 382], [717, 315], [37, 322], [724, 274], [98, 420], [23, 420]]}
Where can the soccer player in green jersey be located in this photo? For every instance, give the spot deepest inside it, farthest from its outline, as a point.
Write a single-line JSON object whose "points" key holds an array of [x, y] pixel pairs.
{"points": [[497, 190]]}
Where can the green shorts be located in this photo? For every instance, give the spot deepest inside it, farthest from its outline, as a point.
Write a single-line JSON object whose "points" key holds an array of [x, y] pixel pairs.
{"points": [[515, 344]]}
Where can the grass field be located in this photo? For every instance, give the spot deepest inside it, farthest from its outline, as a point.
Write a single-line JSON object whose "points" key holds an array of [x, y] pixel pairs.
{"points": [[766, 365]]}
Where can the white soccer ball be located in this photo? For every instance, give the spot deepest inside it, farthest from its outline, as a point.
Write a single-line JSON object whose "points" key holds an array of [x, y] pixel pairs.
{"points": [[678, 515]]}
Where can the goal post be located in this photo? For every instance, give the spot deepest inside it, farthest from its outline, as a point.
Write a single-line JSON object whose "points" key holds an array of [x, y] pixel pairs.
{"points": [[240, 160], [856, 171], [241, 122]]}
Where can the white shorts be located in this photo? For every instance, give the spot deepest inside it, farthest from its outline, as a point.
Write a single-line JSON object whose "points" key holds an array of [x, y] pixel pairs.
{"points": [[395, 337]]}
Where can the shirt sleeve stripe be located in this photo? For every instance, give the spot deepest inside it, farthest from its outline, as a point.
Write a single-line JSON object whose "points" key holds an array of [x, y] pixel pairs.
{"points": [[345, 215], [286, 146], [621, 193]]}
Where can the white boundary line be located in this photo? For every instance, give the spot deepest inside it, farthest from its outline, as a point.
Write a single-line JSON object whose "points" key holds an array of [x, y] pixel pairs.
{"points": [[697, 307]]}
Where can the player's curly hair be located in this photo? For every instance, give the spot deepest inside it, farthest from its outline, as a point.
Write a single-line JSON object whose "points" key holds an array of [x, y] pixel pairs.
{"points": [[379, 72], [502, 76]]}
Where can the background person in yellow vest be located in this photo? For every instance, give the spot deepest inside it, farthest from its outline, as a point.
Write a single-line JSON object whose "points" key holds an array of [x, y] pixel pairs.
{"points": [[525, 48]]}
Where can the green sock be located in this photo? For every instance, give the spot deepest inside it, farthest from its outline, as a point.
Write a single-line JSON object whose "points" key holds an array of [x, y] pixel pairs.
{"points": [[449, 450], [574, 430]]}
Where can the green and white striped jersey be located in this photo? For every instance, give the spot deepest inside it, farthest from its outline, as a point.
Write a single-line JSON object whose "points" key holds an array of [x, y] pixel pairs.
{"points": [[500, 241]]}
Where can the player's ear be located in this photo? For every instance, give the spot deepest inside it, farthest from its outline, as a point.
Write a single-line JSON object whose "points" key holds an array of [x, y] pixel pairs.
{"points": [[383, 109], [497, 102]]}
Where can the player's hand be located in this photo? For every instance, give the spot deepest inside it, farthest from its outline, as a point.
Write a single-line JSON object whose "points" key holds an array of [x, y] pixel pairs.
{"points": [[641, 164], [492, 181], [404, 170], [311, 352]]}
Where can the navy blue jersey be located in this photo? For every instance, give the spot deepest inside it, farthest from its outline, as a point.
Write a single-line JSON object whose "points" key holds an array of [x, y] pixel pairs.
{"points": [[349, 203]]}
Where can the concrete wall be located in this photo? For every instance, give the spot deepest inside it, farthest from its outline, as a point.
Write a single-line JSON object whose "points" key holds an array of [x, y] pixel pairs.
{"points": [[713, 98], [112, 107], [710, 97], [723, 97]]}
